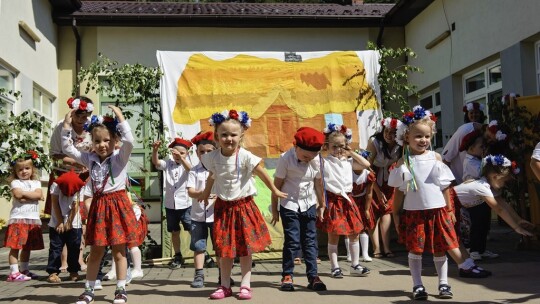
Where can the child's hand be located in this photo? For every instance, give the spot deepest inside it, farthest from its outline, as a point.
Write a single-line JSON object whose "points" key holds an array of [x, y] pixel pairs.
{"points": [[320, 212], [275, 216], [522, 231], [156, 144], [68, 119], [60, 228], [526, 224], [118, 112], [280, 194]]}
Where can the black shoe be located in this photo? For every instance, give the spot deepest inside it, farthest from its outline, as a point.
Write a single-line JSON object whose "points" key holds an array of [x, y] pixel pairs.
{"points": [[316, 284], [445, 292], [210, 263], [287, 283], [176, 262], [419, 293], [474, 273]]}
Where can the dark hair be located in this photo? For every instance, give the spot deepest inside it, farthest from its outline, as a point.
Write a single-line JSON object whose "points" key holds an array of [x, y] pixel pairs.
{"points": [[481, 120], [491, 168], [379, 136]]}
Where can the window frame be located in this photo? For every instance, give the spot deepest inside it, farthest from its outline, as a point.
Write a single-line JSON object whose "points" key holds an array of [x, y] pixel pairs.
{"points": [[435, 108], [8, 101], [50, 119], [482, 95]]}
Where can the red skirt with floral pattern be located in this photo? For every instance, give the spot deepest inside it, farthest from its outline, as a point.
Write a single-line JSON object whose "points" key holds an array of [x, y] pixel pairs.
{"points": [[111, 220], [142, 230], [367, 217], [380, 208], [239, 228], [24, 236], [429, 230], [341, 217]]}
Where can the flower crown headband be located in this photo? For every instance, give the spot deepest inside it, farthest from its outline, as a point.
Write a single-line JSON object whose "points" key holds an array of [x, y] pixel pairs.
{"points": [[331, 128], [106, 120], [243, 117], [473, 106], [500, 160], [79, 104], [493, 127], [418, 113], [28, 155], [390, 122]]}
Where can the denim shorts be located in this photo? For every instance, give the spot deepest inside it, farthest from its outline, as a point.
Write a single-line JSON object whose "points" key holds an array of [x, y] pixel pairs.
{"points": [[175, 217], [199, 235]]}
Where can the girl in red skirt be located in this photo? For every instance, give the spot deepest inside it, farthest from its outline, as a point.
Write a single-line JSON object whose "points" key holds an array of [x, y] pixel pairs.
{"points": [[341, 216], [239, 228], [24, 226], [384, 152], [422, 181], [111, 220]]}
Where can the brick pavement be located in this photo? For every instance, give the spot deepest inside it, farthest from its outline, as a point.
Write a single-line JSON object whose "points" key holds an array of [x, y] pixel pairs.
{"points": [[515, 280]]}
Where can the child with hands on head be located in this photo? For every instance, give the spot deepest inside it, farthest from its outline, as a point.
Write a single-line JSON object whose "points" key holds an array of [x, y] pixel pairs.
{"points": [[341, 216], [177, 201], [298, 173], [23, 232], [239, 228], [422, 181], [111, 220]]}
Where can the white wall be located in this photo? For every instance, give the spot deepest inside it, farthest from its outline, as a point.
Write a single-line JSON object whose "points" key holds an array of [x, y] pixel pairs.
{"points": [[131, 45], [483, 29]]}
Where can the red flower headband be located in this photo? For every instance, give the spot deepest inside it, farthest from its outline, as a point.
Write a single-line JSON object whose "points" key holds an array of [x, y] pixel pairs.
{"points": [[390, 122], [180, 142], [473, 106], [207, 136], [79, 104]]}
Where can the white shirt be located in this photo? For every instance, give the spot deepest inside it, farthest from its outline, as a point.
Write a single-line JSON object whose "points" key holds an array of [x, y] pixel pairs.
{"points": [[338, 176], [472, 193], [536, 152], [65, 203], [233, 179], [298, 181], [82, 142], [197, 180], [360, 179], [451, 152], [27, 212], [471, 167], [116, 163], [176, 177], [432, 176]]}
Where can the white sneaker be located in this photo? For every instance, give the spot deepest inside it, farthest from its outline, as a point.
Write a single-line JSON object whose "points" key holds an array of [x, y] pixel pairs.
{"points": [[129, 277], [489, 254], [109, 276], [137, 273], [367, 259], [475, 255], [98, 285]]}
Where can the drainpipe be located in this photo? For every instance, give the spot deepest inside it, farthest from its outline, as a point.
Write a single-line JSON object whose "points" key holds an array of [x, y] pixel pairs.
{"points": [[381, 31], [77, 55]]}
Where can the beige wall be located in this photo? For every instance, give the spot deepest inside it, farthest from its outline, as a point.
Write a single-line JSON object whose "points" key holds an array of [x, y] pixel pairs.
{"points": [[483, 28]]}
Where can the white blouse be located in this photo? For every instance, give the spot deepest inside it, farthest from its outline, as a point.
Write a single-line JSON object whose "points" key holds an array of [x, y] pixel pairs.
{"points": [[472, 193], [338, 176], [432, 176], [27, 212]]}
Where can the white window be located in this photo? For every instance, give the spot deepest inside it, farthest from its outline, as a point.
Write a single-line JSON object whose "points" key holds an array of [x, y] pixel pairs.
{"points": [[483, 85], [43, 106], [537, 55], [432, 101], [7, 86]]}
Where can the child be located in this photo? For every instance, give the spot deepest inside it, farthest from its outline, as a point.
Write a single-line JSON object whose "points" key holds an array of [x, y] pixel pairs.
{"points": [[24, 226], [202, 216], [474, 194], [473, 144], [177, 201], [384, 152], [239, 229], [341, 217], [422, 181], [65, 226], [111, 220], [298, 174]]}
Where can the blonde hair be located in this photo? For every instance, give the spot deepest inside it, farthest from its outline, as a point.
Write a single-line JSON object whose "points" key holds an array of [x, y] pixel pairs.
{"points": [[13, 170]]}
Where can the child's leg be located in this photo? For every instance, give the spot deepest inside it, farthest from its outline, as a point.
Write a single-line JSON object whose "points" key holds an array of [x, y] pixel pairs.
{"points": [[175, 238], [24, 259], [81, 248], [333, 240], [13, 260], [119, 256], [94, 259], [385, 223], [64, 259], [375, 240], [347, 246], [364, 243], [415, 266], [354, 248], [55, 251], [441, 265], [136, 258], [245, 268], [225, 267], [73, 245]]}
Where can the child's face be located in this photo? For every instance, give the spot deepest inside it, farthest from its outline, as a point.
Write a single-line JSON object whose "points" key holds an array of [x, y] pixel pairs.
{"points": [[389, 135], [477, 148], [305, 156], [102, 142], [178, 153], [79, 119], [497, 180], [474, 115], [24, 169], [228, 135], [419, 138], [337, 145], [204, 148]]}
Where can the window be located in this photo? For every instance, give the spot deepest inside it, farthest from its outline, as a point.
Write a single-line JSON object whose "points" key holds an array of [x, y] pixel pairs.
{"points": [[432, 102], [483, 85], [7, 84], [43, 107]]}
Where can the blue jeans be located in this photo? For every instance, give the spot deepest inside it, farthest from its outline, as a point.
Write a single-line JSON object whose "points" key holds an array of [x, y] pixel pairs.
{"points": [[300, 233], [70, 238], [199, 235]]}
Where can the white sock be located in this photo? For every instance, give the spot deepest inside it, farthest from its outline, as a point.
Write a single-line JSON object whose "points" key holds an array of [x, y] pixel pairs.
{"points": [[364, 242], [90, 285], [23, 266], [245, 268], [415, 266], [121, 284], [354, 247], [332, 254], [441, 265], [136, 257], [346, 239], [467, 264], [14, 268]]}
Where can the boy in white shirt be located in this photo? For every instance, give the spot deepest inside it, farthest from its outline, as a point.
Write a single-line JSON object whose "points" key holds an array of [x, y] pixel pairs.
{"points": [[177, 202]]}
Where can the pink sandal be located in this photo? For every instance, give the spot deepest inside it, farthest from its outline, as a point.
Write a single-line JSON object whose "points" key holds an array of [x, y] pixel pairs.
{"points": [[221, 292], [245, 293]]}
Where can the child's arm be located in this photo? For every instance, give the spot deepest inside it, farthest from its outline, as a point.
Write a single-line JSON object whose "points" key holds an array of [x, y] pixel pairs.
{"points": [[24, 196], [359, 163], [369, 197], [194, 193], [320, 198], [57, 213], [372, 151], [278, 183], [396, 209], [449, 208], [502, 209], [185, 163], [127, 137], [155, 149], [207, 189], [267, 180]]}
